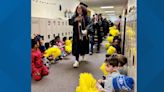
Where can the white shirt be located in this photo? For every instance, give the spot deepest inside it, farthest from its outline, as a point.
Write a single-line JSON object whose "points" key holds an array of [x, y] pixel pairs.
{"points": [[108, 82]]}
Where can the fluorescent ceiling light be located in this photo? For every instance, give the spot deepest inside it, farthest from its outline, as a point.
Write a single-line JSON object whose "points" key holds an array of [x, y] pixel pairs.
{"points": [[111, 14], [109, 11], [106, 7]]}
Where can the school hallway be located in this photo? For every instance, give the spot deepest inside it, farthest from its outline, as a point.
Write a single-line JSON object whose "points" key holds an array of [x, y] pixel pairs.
{"points": [[64, 78]]}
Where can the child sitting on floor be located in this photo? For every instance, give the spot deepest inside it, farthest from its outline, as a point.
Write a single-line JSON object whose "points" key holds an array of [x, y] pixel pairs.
{"points": [[112, 69], [52, 53], [38, 68], [60, 44], [122, 64]]}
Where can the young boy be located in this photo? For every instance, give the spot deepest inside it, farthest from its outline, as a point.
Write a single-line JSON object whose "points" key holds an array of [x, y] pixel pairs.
{"points": [[112, 68], [122, 64]]}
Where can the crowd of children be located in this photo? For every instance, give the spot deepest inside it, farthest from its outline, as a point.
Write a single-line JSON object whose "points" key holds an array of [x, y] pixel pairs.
{"points": [[115, 78], [45, 54]]}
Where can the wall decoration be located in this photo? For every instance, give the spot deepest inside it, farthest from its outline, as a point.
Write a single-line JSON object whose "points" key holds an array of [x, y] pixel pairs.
{"points": [[54, 22], [43, 2], [48, 36], [60, 7], [69, 14], [62, 23], [58, 22], [62, 34], [54, 35], [49, 23], [58, 34], [65, 13]]}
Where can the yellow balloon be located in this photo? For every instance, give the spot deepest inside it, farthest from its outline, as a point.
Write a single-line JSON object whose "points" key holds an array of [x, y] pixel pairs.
{"points": [[68, 49], [102, 68], [55, 51], [68, 42], [111, 50], [114, 32], [110, 39], [87, 83], [107, 45]]}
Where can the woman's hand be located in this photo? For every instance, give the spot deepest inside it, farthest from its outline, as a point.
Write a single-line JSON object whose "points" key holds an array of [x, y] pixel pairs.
{"points": [[79, 18]]}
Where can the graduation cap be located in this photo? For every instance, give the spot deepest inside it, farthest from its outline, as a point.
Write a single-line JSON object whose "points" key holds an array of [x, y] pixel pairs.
{"points": [[81, 3]]}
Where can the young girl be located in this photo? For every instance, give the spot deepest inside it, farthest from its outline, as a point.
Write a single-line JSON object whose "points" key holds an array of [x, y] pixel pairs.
{"points": [[38, 68], [60, 44]]}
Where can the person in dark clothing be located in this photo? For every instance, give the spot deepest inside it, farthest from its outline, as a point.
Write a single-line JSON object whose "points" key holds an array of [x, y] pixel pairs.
{"points": [[105, 27], [91, 30], [80, 43], [99, 29]]}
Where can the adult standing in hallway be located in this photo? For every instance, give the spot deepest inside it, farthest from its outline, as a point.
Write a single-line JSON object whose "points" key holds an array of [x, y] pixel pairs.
{"points": [[105, 27], [80, 45], [99, 31]]}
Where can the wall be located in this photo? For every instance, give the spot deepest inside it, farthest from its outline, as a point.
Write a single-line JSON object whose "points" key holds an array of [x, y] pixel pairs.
{"points": [[51, 10], [131, 41]]}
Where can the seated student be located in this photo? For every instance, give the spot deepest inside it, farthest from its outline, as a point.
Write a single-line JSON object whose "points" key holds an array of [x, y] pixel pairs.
{"points": [[52, 52], [123, 83], [60, 44], [41, 42], [122, 64], [38, 68], [116, 44], [68, 42], [112, 69], [64, 39]]}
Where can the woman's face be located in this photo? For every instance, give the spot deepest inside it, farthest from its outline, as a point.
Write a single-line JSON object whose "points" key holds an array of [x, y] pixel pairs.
{"points": [[79, 10]]}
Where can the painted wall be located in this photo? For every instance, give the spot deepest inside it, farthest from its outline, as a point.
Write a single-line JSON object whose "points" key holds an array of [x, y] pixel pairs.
{"points": [[41, 9]]}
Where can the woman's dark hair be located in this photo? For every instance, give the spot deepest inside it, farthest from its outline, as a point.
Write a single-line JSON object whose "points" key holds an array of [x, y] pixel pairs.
{"points": [[64, 39], [84, 10]]}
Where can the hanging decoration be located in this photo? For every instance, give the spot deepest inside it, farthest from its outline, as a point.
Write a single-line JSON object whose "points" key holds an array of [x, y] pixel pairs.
{"points": [[43, 2], [65, 13]]}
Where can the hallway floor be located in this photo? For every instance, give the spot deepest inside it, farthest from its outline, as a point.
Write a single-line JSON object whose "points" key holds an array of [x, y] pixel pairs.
{"points": [[64, 78]]}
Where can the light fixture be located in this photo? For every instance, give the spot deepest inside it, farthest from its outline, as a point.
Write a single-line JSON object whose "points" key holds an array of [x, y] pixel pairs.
{"points": [[111, 14], [106, 7], [109, 11]]}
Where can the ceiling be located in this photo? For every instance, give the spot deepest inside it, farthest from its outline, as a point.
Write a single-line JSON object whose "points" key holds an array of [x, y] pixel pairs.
{"points": [[95, 5]]}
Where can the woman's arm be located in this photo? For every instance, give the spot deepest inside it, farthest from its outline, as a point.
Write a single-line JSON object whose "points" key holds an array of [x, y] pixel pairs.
{"points": [[72, 20]]}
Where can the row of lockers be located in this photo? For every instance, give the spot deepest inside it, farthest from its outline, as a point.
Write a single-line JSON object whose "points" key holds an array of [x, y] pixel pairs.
{"points": [[49, 28]]}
